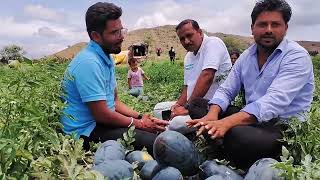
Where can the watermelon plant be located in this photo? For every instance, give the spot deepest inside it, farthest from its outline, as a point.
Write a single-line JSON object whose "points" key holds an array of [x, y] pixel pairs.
{"points": [[32, 146]]}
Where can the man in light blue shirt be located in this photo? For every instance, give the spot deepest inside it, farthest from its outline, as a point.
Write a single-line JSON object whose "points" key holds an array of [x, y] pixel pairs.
{"points": [[93, 110], [277, 76]]}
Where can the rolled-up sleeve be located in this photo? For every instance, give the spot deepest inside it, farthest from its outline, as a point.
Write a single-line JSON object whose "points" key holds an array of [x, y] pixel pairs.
{"points": [[294, 73], [229, 88]]}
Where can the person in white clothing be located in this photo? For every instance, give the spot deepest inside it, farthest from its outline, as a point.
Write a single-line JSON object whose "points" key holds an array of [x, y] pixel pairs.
{"points": [[206, 65]]}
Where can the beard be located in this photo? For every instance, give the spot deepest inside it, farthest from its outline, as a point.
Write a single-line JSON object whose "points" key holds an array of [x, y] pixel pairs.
{"points": [[111, 48], [269, 47]]}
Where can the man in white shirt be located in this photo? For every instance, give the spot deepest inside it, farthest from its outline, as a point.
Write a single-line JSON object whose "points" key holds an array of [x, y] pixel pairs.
{"points": [[206, 65]]}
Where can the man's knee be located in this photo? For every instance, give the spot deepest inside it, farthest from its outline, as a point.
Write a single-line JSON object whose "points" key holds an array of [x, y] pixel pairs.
{"points": [[246, 144]]}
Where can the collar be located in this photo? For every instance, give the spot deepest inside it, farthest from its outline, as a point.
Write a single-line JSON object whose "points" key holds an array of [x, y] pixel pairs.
{"points": [[281, 47], [205, 39], [92, 45]]}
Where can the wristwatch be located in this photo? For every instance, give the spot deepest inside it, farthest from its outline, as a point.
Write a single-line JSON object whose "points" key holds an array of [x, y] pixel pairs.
{"points": [[186, 105], [139, 116]]}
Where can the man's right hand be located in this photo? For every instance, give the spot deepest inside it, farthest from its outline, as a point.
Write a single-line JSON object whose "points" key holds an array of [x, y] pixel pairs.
{"points": [[178, 110], [152, 124]]}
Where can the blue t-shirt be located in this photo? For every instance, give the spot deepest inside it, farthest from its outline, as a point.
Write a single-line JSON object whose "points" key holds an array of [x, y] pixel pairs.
{"points": [[90, 76]]}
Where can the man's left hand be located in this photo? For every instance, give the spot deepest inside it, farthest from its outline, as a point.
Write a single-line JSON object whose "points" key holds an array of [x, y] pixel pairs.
{"points": [[216, 129]]}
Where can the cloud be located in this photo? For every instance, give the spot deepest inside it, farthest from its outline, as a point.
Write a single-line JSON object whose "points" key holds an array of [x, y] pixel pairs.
{"points": [[40, 12], [11, 28], [39, 37], [47, 32], [156, 19], [211, 16], [231, 17], [43, 31]]}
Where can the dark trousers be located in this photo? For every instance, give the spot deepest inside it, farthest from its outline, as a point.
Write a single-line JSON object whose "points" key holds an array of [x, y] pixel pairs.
{"points": [[172, 60], [102, 133], [243, 145]]}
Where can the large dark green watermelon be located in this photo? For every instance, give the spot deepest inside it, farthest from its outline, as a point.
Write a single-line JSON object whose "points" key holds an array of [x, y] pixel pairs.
{"points": [[174, 149], [211, 168], [115, 169], [179, 124], [109, 150], [168, 173], [262, 169], [149, 169]]}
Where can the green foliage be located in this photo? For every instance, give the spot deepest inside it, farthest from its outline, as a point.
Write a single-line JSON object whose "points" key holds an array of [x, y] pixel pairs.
{"points": [[308, 168], [67, 161], [301, 155], [30, 107], [128, 139], [165, 84]]}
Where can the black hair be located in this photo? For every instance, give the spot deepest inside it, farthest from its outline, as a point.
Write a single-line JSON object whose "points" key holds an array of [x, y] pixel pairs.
{"points": [[131, 60], [194, 24], [235, 52], [98, 14], [272, 5]]}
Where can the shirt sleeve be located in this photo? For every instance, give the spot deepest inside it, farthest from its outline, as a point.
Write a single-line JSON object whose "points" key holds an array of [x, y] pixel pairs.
{"points": [[214, 54], [229, 88], [90, 83], [295, 71]]}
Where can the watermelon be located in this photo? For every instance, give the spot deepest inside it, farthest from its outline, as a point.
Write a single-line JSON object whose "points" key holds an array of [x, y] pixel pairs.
{"points": [[115, 169], [139, 156], [109, 150], [179, 124], [168, 173], [215, 177], [262, 169], [210, 168], [173, 149], [149, 169]]}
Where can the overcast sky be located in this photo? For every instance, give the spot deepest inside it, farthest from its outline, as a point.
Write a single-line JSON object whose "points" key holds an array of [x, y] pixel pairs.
{"points": [[43, 27]]}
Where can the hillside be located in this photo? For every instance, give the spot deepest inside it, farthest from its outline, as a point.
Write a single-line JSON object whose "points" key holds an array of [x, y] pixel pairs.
{"points": [[165, 37]]}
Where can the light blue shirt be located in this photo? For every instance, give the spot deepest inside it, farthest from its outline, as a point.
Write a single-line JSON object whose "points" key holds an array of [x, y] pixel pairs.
{"points": [[283, 87], [90, 76]]}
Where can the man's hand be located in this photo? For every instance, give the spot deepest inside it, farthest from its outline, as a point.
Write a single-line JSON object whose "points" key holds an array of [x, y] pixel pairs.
{"points": [[152, 124], [216, 129], [199, 123], [178, 110]]}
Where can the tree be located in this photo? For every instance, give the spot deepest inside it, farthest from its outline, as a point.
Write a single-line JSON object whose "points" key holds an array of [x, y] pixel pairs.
{"points": [[11, 52]]}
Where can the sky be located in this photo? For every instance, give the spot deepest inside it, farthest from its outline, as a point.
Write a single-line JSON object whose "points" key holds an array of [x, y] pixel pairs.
{"points": [[43, 27]]}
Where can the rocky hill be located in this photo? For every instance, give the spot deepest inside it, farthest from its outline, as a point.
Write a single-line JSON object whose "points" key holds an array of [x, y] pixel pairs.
{"points": [[165, 37]]}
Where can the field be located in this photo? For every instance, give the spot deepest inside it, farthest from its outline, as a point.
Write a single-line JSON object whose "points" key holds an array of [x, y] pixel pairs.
{"points": [[30, 106]]}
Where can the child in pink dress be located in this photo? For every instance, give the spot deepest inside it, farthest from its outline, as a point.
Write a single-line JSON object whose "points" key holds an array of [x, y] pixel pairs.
{"points": [[135, 78]]}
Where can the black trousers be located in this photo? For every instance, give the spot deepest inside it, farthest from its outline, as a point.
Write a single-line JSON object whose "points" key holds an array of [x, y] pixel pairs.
{"points": [[172, 59], [243, 145], [102, 133]]}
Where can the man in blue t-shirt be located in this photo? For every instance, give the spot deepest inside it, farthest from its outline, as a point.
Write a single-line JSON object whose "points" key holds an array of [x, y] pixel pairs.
{"points": [[93, 110]]}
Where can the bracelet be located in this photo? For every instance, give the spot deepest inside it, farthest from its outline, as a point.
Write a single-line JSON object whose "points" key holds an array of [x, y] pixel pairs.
{"points": [[131, 122]]}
